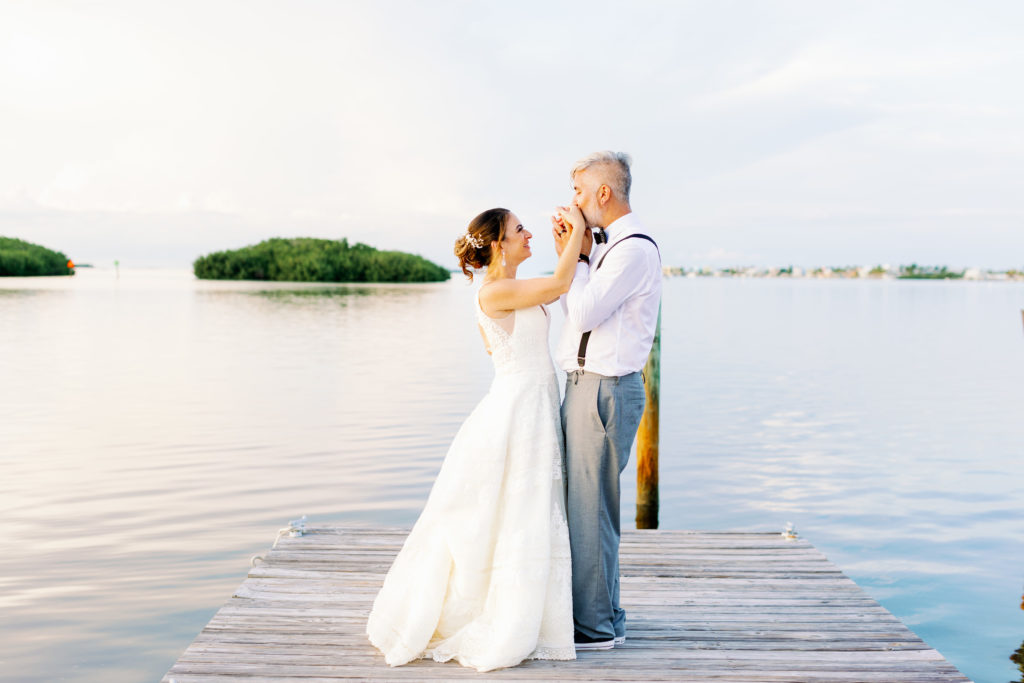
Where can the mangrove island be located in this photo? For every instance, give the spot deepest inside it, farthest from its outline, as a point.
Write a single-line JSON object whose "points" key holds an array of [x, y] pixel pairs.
{"points": [[308, 259], [19, 258]]}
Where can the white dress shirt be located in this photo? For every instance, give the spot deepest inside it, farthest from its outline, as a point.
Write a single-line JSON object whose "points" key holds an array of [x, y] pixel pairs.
{"points": [[617, 302]]}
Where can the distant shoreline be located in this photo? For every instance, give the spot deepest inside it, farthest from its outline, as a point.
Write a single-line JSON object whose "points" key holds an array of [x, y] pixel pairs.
{"points": [[912, 272]]}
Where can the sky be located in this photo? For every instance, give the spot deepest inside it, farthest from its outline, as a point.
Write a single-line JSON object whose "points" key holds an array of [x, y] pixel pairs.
{"points": [[762, 133]]}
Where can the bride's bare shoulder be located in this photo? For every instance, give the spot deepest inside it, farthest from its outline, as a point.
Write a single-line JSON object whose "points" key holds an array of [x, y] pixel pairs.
{"points": [[488, 295]]}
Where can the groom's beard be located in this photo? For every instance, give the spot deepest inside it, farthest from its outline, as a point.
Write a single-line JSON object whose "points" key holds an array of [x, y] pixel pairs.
{"points": [[590, 222]]}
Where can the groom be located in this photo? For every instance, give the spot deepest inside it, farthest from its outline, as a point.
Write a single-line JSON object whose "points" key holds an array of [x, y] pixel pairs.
{"points": [[611, 313]]}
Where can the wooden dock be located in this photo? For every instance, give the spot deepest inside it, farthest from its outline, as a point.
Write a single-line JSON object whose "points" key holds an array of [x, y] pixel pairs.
{"points": [[702, 606]]}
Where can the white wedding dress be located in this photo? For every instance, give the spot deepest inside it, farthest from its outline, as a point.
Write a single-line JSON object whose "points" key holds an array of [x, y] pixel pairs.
{"points": [[484, 576]]}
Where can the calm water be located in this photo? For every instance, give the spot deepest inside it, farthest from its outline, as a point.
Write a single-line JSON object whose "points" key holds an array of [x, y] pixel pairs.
{"points": [[157, 431]]}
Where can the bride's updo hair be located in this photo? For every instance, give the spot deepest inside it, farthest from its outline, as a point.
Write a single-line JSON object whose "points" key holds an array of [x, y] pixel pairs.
{"points": [[473, 248]]}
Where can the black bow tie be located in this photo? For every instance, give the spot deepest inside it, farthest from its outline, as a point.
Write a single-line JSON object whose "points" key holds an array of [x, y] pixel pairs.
{"points": [[600, 236]]}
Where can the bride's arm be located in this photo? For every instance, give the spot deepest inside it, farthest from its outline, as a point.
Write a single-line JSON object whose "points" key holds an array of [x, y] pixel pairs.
{"points": [[558, 233], [511, 294]]}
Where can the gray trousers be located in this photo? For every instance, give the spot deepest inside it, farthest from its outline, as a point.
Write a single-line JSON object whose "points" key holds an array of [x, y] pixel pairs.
{"points": [[600, 416]]}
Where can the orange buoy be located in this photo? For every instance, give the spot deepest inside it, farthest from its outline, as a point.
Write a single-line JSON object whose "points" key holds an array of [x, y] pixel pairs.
{"points": [[71, 264]]}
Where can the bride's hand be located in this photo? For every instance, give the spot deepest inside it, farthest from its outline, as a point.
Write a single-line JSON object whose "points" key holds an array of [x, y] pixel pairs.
{"points": [[557, 223], [572, 216], [560, 235]]}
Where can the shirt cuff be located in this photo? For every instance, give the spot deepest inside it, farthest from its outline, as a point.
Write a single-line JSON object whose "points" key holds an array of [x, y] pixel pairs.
{"points": [[582, 270]]}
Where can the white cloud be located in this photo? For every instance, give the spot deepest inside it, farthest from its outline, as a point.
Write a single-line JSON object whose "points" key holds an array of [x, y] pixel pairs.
{"points": [[786, 132]]}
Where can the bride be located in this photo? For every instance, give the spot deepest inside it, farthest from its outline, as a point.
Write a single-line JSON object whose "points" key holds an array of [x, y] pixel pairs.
{"points": [[484, 576]]}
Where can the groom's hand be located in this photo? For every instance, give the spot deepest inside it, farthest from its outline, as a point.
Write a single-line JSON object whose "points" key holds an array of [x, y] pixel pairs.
{"points": [[588, 242]]}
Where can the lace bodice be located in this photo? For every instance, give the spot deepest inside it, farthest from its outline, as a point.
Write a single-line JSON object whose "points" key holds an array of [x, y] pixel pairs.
{"points": [[525, 348]]}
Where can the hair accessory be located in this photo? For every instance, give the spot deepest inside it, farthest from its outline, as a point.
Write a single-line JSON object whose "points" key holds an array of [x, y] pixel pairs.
{"points": [[475, 241]]}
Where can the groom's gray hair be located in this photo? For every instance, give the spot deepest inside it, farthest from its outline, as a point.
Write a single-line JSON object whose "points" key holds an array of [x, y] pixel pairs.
{"points": [[617, 162]]}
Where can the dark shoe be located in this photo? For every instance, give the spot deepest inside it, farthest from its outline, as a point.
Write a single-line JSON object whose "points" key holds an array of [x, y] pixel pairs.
{"points": [[587, 643]]}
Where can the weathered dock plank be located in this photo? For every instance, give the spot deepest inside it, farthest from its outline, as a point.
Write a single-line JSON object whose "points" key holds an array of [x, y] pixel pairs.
{"points": [[702, 606]]}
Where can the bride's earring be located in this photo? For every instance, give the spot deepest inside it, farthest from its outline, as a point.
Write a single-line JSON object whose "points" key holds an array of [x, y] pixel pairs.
{"points": [[502, 258]]}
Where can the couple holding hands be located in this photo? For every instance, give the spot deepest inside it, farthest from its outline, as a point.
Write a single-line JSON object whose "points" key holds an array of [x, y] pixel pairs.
{"points": [[516, 553]]}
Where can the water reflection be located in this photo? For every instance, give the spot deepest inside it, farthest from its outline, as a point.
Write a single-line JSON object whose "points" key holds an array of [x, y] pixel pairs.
{"points": [[320, 293], [156, 431]]}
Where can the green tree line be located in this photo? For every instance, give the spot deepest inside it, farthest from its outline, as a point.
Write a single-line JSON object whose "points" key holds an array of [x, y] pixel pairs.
{"points": [[916, 272], [309, 259], [19, 258]]}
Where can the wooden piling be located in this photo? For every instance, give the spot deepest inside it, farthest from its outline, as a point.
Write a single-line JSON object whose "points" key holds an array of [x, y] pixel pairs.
{"points": [[647, 440]]}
